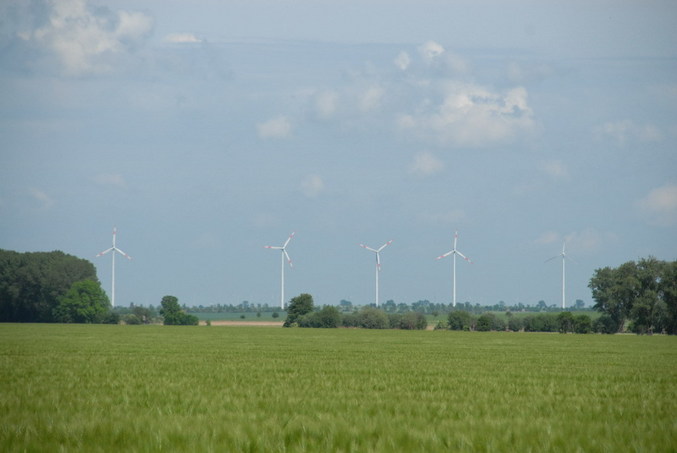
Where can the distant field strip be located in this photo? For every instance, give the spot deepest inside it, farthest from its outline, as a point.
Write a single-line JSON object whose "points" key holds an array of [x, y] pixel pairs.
{"points": [[162, 388]]}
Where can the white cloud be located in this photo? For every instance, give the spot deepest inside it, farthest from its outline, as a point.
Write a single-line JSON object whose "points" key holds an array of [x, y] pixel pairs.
{"points": [[430, 50], [111, 179], [182, 38], [402, 61], [548, 237], [471, 116], [84, 39], [279, 127], [312, 186], [588, 240], [426, 164], [556, 169], [581, 242], [371, 99], [624, 132], [41, 197], [660, 205], [326, 103]]}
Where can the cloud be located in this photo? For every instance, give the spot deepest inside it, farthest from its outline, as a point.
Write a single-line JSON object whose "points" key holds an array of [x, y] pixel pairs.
{"points": [[279, 127], [548, 237], [660, 205], [426, 164], [624, 132], [430, 50], [42, 198], [312, 186], [556, 169], [581, 242], [111, 179], [471, 116], [326, 103], [182, 38], [371, 99], [402, 61], [84, 39]]}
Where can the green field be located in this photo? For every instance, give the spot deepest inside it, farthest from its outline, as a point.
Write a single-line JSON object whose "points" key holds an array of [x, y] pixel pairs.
{"points": [[161, 388]]}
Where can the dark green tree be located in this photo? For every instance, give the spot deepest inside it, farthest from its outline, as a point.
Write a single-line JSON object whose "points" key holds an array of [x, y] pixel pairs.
{"points": [[298, 306], [173, 314], [413, 321], [640, 292], [32, 283], [372, 318], [85, 302], [460, 320], [565, 322], [328, 317]]}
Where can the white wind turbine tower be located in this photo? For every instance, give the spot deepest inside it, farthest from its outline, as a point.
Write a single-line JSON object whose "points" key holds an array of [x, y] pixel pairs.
{"points": [[378, 261], [454, 252], [283, 255], [564, 272], [114, 249]]}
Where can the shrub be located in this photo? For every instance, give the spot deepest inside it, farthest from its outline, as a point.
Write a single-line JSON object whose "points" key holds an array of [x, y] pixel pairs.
{"points": [[582, 324], [460, 320], [328, 317], [413, 321], [372, 318], [605, 324], [515, 324]]}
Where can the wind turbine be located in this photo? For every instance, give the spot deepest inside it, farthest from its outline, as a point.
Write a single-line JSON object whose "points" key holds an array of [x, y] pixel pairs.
{"points": [[454, 252], [564, 274], [114, 249], [378, 261], [284, 254]]}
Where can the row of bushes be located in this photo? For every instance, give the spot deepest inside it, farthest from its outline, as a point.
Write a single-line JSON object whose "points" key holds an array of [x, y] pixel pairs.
{"points": [[366, 318], [563, 322]]}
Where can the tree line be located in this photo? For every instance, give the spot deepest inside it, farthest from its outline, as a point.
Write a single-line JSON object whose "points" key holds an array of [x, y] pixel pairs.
{"points": [[50, 287]]}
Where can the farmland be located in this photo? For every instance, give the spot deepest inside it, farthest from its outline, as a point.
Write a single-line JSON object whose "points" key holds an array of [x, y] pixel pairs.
{"points": [[151, 388]]}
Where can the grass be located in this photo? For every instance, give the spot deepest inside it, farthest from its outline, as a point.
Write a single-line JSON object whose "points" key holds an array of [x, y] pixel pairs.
{"points": [[162, 388]]}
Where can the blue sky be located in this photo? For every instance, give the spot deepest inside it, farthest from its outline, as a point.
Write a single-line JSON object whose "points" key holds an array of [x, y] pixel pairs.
{"points": [[205, 130]]}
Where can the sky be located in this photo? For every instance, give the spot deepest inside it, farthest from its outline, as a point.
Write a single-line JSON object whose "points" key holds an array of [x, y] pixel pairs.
{"points": [[205, 130]]}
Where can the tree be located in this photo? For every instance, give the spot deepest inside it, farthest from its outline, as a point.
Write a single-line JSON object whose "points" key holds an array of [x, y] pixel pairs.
{"points": [[372, 318], [413, 320], [85, 302], [298, 306], [32, 283], [460, 320], [328, 317], [640, 292], [582, 324], [565, 322], [174, 315]]}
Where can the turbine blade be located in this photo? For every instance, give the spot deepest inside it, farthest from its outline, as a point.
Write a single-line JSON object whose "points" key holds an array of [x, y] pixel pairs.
{"points": [[288, 259], [550, 259], [368, 248], [463, 256], [385, 245], [378, 261], [105, 251], [288, 239], [445, 255], [274, 247], [122, 253]]}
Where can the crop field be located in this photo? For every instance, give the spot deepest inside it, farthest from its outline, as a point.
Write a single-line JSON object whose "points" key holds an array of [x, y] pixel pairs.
{"points": [[161, 388]]}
